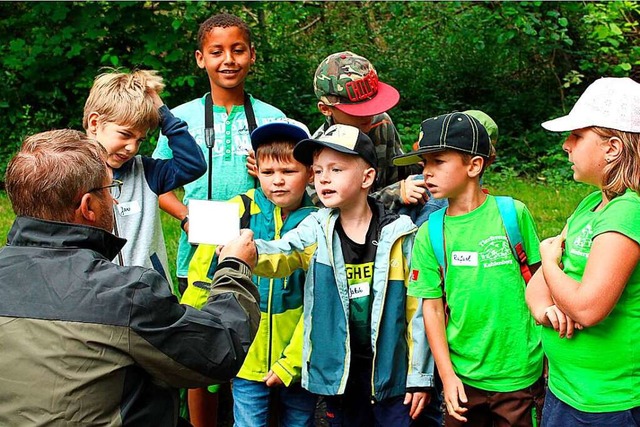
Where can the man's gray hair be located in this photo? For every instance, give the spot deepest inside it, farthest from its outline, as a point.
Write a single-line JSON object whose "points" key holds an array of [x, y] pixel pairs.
{"points": [[47, 178]]}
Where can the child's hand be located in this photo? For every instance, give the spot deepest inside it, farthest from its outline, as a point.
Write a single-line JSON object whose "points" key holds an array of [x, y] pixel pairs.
{"points": [[252, 166], [272, 380], [454, 395], [418, 400], [413, 190], [157, 101], [560, 322], [551, 249]]}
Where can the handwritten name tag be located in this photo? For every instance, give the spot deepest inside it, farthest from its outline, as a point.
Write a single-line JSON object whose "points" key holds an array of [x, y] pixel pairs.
{"points": [[461, 258], [128, 208], [358, 290]]}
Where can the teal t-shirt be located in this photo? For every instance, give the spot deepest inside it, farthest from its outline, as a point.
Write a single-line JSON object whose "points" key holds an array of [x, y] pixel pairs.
{"points": [[230, 151], [494, 342], [598, 369]]}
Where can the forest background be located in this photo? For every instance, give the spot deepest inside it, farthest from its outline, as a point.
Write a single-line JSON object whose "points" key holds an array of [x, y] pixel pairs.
{"points": [[521, 62]]}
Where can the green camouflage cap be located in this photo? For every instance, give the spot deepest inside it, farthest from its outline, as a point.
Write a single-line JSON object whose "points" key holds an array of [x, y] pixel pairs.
{"points": [[349, 83]]}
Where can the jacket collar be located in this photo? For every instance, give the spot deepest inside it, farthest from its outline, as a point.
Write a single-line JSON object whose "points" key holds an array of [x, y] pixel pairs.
{"points": [[33, 232]]}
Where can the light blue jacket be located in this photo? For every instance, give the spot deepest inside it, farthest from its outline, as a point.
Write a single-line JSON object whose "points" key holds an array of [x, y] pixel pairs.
{"points": [[401, 356]]}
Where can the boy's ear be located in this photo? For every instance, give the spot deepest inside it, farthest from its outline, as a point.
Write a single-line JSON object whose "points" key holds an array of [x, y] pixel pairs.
{"points": [[310, 172], [199, 59], [92, 123], [325, 109], [475, 166], [368, 177], [253, 55]]}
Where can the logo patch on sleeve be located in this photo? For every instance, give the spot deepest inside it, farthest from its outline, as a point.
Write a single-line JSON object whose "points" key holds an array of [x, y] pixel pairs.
{"points": [[414, 275]]}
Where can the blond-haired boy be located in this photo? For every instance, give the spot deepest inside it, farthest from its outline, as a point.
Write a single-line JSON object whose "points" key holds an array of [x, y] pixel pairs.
{"points": [[355, 302], [119, 112]]}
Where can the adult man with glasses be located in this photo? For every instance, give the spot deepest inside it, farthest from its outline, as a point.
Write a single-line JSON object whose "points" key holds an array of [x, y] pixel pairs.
{"points": [[85, 341]]}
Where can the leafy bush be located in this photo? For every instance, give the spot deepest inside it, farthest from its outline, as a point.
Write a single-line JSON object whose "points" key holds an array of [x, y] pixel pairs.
{"points": [[521, 62]]}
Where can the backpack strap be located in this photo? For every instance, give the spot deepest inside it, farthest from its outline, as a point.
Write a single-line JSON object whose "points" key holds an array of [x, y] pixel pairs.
{"points": [[436, 236], [435, 225], [507, 208]]}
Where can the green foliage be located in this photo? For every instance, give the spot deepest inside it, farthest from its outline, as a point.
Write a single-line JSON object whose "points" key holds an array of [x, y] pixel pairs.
{"points": [[521, 62]]}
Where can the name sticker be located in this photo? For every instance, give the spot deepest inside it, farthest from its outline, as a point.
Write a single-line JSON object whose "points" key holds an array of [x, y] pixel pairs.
{"points": [[128, 208], [358, 290], [461, 258]]}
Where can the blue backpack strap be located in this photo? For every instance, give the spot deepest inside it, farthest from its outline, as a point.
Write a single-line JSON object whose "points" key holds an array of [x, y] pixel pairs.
{"points": [[436, 236], [507, 208]]}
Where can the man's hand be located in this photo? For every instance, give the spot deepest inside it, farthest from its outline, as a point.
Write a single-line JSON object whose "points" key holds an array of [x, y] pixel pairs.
{"points": [[252, 165], [418, 401], [242, 248]]}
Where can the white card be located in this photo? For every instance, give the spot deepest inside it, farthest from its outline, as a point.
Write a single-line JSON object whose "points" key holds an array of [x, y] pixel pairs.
{"points": [[213, 223]]}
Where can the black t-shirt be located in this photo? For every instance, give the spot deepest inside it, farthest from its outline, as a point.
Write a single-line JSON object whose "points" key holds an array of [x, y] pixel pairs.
{"points": [[358, 260]]}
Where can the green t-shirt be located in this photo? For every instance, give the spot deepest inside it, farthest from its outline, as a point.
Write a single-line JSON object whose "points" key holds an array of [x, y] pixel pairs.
{"points": [[493, 340], [598, 369]]}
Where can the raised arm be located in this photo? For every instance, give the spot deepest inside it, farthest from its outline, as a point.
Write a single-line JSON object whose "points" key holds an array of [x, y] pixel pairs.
{"points": [[187, 162]]}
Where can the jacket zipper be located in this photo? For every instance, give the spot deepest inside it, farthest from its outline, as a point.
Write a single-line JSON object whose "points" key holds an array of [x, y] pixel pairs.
{"points": [[384, 297]]}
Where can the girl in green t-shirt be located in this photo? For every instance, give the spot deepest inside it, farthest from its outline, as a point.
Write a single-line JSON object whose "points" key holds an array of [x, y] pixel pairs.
{"points": [[587, 292]]}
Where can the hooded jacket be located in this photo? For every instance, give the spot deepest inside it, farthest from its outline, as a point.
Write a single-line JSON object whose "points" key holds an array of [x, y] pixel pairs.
{"points": [[84, 341], [401, 356]]}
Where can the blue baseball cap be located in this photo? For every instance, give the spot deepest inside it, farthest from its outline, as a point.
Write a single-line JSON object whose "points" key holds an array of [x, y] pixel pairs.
{"points": [[285, 129]]}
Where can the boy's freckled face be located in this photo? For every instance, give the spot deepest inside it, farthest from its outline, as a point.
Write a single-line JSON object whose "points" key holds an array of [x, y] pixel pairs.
{"points": [[226, 56], [361, 122], [445, 173], [338, 178], [283, 182], [121, 142]]}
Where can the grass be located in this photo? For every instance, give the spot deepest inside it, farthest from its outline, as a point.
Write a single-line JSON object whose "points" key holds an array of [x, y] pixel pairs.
{"points": [[550, 206]]}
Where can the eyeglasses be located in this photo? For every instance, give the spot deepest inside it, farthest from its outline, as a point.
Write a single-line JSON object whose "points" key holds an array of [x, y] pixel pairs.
{"points": [[115, 188]]}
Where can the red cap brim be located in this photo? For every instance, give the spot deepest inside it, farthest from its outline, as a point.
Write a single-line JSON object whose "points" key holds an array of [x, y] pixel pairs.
{"points": [[386, 98]]}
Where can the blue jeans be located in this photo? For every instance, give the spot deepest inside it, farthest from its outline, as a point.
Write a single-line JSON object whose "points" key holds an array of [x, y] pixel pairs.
{"points": [[252, 401], [556, 413]]}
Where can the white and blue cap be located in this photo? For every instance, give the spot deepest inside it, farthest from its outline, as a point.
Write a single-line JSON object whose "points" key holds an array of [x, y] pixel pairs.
{"points": [[285, 129]]}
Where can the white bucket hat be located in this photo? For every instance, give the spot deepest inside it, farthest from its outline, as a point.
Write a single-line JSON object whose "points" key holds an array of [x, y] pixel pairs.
{"points": [[610, 102]]}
